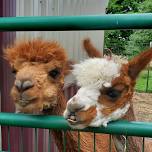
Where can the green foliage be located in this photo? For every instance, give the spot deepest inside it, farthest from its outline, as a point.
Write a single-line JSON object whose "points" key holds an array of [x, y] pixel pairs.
{"points": [[138, 41], [128, 42], [123, 6], [145, 7], [116, 40]]}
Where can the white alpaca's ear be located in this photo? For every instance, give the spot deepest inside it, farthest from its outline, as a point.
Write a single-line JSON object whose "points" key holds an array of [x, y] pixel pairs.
{"points": [[138, 63], [90, 49]]}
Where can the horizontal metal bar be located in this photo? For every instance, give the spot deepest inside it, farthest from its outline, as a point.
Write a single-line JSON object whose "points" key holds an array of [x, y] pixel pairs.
{"points": [[68, 23], [57, 122]]}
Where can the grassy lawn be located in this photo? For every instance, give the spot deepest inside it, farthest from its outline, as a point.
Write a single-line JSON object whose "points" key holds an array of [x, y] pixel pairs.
{"points": [[142, 81]]}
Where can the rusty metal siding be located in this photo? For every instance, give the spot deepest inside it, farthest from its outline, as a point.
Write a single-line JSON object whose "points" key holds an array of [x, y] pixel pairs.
{"points": [[8, 9], [1, 66]]}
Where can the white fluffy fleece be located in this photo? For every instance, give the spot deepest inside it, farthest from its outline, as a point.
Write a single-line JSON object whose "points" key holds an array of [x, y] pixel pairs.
{"points": [[95, 72], [91, 75]]}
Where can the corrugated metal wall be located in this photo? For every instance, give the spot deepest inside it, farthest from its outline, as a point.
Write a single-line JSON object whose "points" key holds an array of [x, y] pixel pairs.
{"points": [[70, 40]]}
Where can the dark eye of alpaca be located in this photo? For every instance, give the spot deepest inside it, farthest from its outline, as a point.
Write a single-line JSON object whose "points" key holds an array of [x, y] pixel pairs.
{"points": [[14, 71], [112, 93], [54, 73]]}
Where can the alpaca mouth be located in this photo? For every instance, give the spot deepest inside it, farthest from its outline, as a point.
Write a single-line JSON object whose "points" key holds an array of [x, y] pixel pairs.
{"points": [[46, 108], [72, 119], [76, 124], [25, 101]]}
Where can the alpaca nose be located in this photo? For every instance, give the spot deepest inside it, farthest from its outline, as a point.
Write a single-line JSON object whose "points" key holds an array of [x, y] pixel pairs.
{"points": [[74, 106], [23, 85]]}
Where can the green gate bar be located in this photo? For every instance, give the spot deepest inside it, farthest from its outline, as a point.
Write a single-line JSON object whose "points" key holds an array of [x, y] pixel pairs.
{"points": [[68, 23], [121, 127]]}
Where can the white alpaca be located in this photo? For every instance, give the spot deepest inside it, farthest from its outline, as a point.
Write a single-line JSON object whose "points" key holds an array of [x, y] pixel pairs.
{"points": [[92, 75]]}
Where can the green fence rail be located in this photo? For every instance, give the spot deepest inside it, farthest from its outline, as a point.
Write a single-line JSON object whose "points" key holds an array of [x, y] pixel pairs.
{"points": [[62, 23], [142, 129]]}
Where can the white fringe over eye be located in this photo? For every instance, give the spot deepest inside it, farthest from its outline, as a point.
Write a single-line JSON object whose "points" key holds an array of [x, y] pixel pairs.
{"points": [[95, 71]]}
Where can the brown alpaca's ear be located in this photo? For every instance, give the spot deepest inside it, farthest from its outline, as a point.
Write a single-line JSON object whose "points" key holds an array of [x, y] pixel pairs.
{"points": [[138, 63], [9, 55], [68, 67], [90, 49]]}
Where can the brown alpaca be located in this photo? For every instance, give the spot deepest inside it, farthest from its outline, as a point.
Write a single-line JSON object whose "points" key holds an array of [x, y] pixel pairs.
{"points": [[40, 67], [112, 98]]}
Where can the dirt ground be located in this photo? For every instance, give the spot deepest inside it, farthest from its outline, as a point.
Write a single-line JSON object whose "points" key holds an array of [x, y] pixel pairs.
{"points": [[142, 103], [143, 106]]}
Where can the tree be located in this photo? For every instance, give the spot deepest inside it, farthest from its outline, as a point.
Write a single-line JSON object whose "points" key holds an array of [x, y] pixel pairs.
{"points": [[117, 39], [140, 39], [145, 7], [123, 6]]}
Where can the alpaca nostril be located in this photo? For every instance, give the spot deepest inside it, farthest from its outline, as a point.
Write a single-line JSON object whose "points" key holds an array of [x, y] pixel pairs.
{"points": [[23, 85], [18, 84], [27, 84]]}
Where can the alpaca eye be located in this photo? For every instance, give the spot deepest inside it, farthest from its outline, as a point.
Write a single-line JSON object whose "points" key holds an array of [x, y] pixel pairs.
{"points": [[54, 73], [14, 71], [113, 94]]}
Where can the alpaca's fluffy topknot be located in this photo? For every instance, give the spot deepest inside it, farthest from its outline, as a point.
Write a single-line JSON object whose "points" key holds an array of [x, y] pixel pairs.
{"points": [[35, 50]]}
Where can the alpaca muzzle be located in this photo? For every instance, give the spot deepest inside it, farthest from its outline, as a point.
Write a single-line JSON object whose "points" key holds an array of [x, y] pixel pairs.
{"points": [[70, 113]]}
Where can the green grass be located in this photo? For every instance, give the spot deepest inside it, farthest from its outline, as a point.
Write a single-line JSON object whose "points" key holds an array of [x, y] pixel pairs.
{"points": [[142, 81]]}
